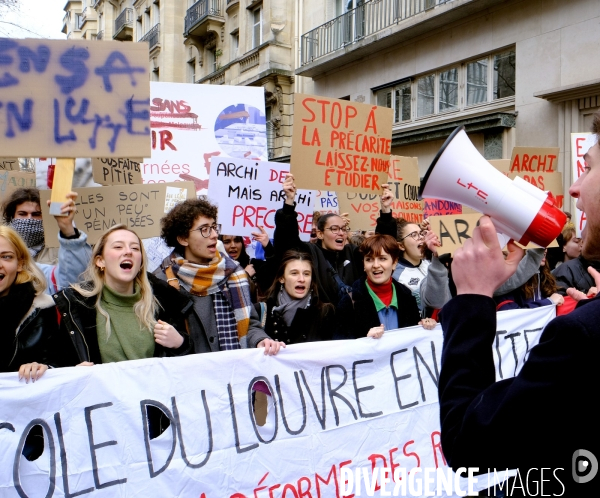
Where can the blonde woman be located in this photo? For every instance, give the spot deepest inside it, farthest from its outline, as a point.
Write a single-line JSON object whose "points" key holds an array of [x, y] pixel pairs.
{"points": [[121, 312], [29, 317]]}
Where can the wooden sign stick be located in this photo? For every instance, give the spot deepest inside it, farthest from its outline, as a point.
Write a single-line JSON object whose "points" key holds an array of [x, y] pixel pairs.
{"points": [[61, 185]]}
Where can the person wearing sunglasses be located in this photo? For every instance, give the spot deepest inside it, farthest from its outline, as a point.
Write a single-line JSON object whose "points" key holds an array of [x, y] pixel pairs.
{"points": [[221, 315], [337, 264]]}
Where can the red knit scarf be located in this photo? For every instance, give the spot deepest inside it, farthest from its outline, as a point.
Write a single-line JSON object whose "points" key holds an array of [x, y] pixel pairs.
{"points": [[383, 291]]}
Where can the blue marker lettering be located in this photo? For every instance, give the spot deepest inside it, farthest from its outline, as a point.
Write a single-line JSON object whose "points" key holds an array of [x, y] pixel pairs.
{"points": [[109, 69], [58, 138], [23, 121], [73, 60], [80, 116], [131, 115], [40, 59]]}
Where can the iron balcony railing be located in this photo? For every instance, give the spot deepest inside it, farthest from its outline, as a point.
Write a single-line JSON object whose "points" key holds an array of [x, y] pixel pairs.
{"points": [[362, 21], [100, 35], [200, 10], [152, 36], [125, 19]]}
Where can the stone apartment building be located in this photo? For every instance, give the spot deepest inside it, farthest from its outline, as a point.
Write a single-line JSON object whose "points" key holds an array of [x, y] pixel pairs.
{"points": [[233, 42], [514, 72]]}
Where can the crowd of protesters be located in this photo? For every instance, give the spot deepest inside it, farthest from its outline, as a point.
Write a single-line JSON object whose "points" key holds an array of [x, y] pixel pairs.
{"points": [[81, 306]]}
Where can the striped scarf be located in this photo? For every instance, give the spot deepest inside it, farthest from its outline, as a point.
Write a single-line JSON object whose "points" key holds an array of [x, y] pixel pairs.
{"points": [[227, 282]]}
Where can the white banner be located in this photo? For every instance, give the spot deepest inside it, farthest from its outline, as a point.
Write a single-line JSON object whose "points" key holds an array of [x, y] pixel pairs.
{"points": [[190, 124], [580, 144], [335, 405], [248, 193]]}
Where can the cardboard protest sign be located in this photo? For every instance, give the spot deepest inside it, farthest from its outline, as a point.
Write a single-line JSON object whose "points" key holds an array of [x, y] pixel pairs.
{"points": [[13, 180], [382, 410], [534, 160], [440, 207], [326, 202], [551, 182], [404, 182], [363, 209], [580, 144], [140, 207], [9, 163], [74, 98], [192, 123], [340, 145], [249, 193], [453, 230], [502, 165], [117, 171]]}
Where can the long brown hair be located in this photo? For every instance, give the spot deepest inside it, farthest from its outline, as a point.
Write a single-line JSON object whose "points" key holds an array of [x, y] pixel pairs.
{"points": [[547, 283], [288, 257]]}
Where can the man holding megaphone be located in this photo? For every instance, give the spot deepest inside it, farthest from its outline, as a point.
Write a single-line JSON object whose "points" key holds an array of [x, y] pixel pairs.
{"points": [[545, 416]]}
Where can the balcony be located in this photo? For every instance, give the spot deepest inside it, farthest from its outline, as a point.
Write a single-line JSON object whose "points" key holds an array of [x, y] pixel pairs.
{"points": [[88, 14], [100, 35], [152, 37], [124, 26], [198, 16], [376, 25]]}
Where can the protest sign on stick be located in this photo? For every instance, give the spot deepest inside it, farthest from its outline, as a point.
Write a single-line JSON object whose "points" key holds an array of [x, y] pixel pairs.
{"points": [[61, 185], [74, 98], [116, 171], [249, 193], [340, 145], [140, 207]]}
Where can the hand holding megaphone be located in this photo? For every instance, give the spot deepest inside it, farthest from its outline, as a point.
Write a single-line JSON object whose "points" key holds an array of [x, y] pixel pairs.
{"points": [[459, 173], [479, 266]]}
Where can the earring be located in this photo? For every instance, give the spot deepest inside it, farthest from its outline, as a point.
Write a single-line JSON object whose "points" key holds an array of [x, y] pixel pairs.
{"points": [[102, 268]]}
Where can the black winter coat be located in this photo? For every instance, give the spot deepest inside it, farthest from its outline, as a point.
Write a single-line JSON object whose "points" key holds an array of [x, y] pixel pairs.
{"points": [[357, 313], [348, 262], [308, 325], [33, 336], [574, 274], [77, 340], [485, 423]]}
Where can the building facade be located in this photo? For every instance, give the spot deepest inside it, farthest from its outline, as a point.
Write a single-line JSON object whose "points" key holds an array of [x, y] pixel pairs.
{"points": [[513, 72], [233, 42]]}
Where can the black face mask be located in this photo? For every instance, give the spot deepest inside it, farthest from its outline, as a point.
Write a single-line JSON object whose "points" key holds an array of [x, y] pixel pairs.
{"points": [[30, 230]]}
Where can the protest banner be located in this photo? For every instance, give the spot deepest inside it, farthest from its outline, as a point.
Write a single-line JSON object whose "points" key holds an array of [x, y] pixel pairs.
{"points": [[361, 404], [340, 145], [534, 160], [140, 207], [9, 164], [192, 123], [580, 144], [116, 171], [74, 98], [326, 202], [12, 180], [248, 194], [362, 209]]}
